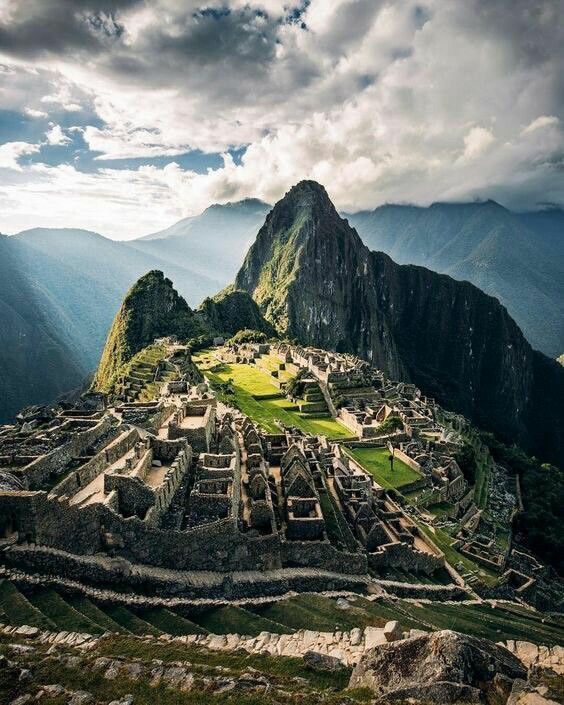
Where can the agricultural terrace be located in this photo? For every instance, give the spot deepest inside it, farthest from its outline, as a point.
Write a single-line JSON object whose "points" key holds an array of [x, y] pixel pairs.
{"points": [[376, 462], [48, 609], [253, 392]]}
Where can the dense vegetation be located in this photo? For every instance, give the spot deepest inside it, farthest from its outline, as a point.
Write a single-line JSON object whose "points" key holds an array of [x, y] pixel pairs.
{"points": [[467, 461], [247, 335], [540, 526], [231, 311]]}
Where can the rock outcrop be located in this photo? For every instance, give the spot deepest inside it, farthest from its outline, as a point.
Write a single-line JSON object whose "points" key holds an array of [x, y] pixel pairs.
{"points": [[442, 667], [316, 281]]}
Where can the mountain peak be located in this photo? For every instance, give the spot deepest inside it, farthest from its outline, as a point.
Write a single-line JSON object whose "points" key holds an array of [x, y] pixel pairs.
{"points": [[243, 204], [151, 309], [316, 282], [303, 226], [307, 194]]}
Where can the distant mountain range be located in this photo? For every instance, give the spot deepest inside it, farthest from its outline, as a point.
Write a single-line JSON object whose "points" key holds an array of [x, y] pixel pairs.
{"points": [[315, 281], [73, 281], [516, 257], [212, 244]]}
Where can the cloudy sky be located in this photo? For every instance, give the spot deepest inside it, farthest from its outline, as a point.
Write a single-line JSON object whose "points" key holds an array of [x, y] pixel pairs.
{"points": [[122, 116]]}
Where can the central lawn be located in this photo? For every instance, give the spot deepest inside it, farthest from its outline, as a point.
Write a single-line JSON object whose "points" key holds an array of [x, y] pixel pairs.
{"points": [[248, 378], [261, 401], [375, 461]]}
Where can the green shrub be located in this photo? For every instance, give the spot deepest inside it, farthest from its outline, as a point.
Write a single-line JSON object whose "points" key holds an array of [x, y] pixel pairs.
{"points": [[248, 335]]}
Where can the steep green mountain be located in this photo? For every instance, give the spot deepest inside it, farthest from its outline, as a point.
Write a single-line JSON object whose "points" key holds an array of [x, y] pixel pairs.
{"points": [[151, 309], [316, 281], [36, 365], [516, 257], [232, 310], [212, 244]]}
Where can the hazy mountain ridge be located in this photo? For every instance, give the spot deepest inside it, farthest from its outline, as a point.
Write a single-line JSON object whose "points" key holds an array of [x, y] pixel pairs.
{"points": [[519, 258], [36, 365], [212, 244], [77, 280], [316, 281]]}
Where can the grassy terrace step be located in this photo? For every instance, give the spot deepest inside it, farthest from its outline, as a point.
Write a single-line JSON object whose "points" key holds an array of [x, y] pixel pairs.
{"points": [[53, 606], [298, 616], [18, 609], [236, 620], [170, 622], [130, 621], [326, 608], [91, 611], [141, 376], [385, 611]]}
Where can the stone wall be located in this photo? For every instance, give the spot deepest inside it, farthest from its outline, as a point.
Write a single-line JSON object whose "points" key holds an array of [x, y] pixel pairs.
{"points": [[38, 471], [400, 555], [321, 554], [91, 469]]}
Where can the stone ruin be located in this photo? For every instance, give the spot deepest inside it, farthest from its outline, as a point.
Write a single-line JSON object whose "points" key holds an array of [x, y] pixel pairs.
{"points": [[186, 483]]}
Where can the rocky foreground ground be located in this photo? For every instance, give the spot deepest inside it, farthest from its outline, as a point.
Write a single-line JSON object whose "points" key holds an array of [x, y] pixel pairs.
{"points": [[439, 667]]}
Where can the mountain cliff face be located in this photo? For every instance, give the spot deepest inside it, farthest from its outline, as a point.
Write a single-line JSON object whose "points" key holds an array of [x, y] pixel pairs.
{"points": [[516, 257], [316, 281], [151, 309]]}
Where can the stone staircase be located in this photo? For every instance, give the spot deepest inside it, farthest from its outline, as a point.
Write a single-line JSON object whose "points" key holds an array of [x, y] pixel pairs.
{"points": [[147, 373], [313, 400]]}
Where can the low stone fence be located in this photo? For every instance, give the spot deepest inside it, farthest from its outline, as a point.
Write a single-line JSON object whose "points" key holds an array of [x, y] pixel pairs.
{"points": [[347, 647]]}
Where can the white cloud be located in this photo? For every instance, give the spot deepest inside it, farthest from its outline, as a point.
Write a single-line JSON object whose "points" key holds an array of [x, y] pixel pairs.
{"points": [[34, 113], [10, 153], [55, 136], [414, 102], [540, 122], [117, 203], [477, 141]]}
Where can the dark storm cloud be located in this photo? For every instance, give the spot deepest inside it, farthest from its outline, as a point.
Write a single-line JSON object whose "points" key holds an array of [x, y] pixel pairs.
{"points": [[39, 27], [215, 35]]}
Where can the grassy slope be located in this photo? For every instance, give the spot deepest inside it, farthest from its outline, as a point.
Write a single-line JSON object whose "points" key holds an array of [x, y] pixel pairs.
{"points": [[18, 610], [235, 620], [53, 606], [259, 399]]}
